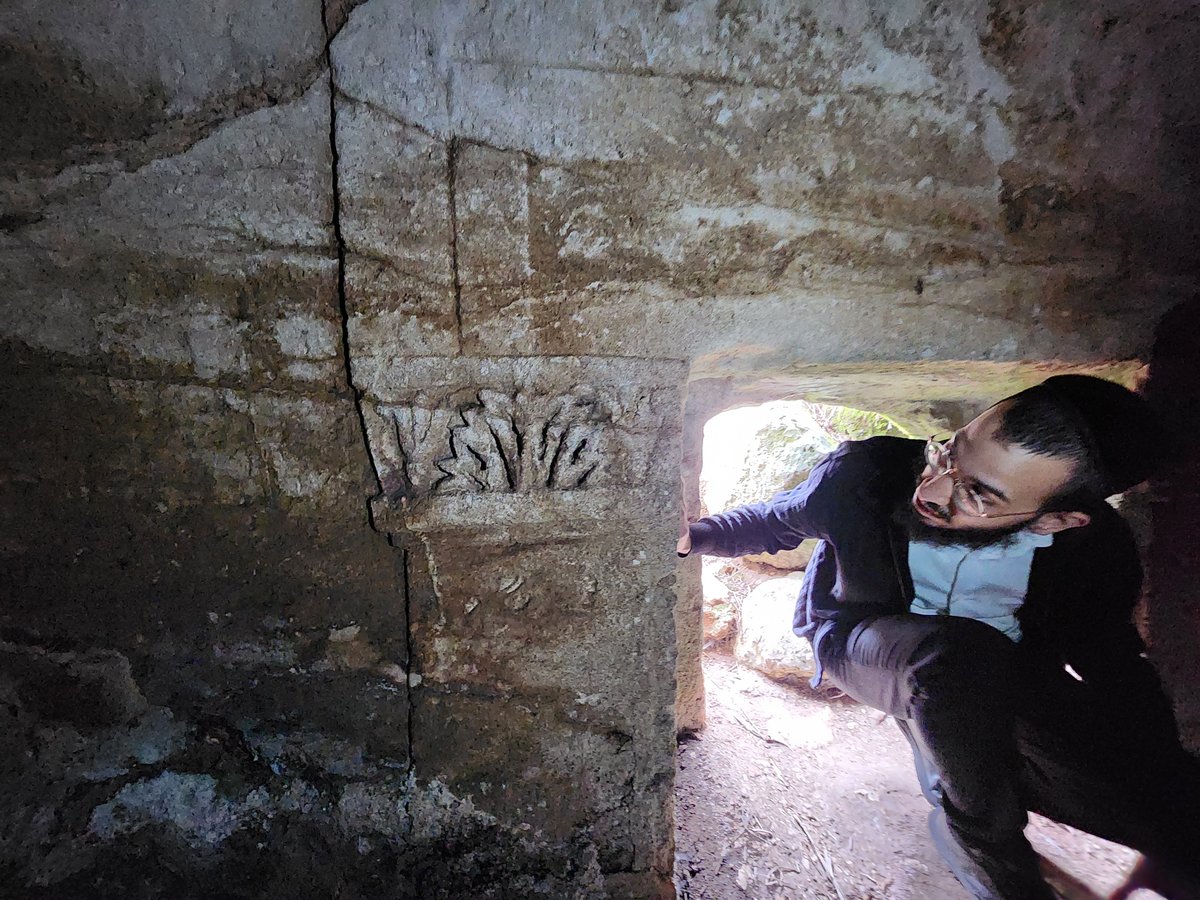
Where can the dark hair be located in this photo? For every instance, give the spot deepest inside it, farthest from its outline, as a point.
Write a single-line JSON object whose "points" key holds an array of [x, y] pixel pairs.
{"points": [[1112, 435], [1039, 421]]}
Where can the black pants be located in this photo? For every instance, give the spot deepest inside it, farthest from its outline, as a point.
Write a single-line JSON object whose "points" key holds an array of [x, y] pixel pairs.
{"points": [[1005, 741]]}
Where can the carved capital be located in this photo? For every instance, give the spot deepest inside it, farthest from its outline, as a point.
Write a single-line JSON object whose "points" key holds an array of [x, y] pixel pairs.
{"points": [[491, 442]]}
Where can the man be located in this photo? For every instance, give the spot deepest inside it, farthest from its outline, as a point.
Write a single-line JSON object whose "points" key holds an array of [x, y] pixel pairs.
{"points": [[980, 590]]}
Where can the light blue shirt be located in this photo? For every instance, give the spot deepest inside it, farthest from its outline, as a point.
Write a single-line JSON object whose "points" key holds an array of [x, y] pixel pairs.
{"points": [[985, 583]]}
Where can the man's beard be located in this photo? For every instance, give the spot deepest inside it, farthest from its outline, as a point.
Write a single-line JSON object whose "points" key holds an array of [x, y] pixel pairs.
{"points": [[919, 530]]}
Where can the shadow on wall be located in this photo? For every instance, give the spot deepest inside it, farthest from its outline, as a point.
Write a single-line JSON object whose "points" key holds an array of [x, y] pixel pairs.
{"points": [[1173, 563], [201, 697]]}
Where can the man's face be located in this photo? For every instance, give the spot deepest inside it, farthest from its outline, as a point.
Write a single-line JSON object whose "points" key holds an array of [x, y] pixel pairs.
{"points": [[1008, 478]]}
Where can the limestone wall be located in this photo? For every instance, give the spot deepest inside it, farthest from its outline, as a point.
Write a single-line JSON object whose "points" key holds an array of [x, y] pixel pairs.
{"points": [[347, 350]]}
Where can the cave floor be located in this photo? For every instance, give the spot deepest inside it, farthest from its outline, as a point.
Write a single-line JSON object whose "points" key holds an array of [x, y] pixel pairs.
{"points": [[790, 794]]}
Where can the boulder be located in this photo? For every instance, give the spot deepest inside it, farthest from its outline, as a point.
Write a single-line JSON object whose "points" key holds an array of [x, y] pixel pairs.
{"points": [[720, 610], [765, 640], [786, 560], [780, 455]]}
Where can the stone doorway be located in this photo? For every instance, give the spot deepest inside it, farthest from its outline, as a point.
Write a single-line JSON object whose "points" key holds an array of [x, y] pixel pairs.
{"points": [[786, 791], [752, 453], [782, 791]]}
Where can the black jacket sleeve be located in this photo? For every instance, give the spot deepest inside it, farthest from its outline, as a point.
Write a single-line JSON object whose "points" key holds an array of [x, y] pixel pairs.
{"points": [[841, 503], [813, 509], [780, 523]]}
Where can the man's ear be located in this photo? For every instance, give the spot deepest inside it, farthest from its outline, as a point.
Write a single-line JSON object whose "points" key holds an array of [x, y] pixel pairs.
{"points": [[1049, 523]]}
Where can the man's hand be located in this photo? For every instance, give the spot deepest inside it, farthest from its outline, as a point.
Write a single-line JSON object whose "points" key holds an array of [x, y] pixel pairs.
{"points": [[684, 547]]}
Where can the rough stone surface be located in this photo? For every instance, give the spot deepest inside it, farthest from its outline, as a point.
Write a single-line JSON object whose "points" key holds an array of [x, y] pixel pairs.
{"points": [[346, 348], [671, 180], [765, 640]]}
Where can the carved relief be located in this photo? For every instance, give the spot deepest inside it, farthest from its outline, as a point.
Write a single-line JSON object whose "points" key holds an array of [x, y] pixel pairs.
{"points": [[492, 442], [405, 443]]}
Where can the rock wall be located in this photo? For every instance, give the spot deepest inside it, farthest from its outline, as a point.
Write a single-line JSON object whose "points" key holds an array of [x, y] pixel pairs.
{"points": [[346, 348]]}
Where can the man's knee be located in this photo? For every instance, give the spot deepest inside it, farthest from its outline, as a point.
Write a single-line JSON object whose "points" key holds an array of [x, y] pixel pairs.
{"points": [[889, 662], [963, 657]]}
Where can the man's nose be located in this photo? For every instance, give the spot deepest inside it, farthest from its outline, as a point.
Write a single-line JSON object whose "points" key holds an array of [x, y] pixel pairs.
{"points": [[936, 489]]}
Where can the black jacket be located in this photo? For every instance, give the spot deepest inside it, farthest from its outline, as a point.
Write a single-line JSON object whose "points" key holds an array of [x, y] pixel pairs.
{"points": [[1082, 589]]}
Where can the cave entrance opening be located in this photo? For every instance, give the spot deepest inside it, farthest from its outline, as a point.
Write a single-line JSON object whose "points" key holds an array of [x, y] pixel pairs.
{"points": [[782, 790], [750, 454]]}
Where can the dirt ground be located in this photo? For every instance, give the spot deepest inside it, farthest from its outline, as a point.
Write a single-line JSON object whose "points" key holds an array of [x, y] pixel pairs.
{"points": [[790, 794]]}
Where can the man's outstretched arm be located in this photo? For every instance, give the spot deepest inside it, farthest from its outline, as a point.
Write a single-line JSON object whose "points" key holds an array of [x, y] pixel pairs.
{"points": [[787, 519]]}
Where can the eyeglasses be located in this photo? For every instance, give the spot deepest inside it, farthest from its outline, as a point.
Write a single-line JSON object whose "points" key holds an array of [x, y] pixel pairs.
{"points": [[965, 498]]}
